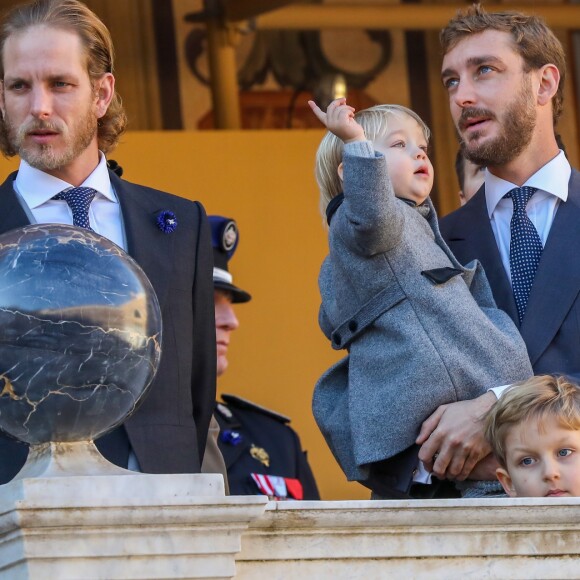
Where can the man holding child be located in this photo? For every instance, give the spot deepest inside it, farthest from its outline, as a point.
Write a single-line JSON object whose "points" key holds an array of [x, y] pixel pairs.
{"points": [[504, 74]]}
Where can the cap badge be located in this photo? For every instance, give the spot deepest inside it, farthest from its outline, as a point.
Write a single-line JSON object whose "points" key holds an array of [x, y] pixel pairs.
{"points": [[260, 454], [229, 236]]}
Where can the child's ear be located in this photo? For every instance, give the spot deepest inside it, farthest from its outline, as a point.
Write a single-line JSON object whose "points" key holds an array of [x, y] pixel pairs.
{"points": [[506, 481], [340, 171]]}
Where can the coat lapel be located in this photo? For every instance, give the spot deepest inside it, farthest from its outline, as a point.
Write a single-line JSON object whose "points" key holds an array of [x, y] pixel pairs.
{"points": [[145, 242], [12, 215], [557, 280], [472, 237]]}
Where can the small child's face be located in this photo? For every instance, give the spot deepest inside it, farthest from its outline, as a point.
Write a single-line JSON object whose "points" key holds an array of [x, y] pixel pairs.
{"points": [[543, 460], [405, 150]]}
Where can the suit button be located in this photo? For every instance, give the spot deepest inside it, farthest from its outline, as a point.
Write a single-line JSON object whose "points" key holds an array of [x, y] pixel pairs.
{"points": [[352, 326], [336, 338]]}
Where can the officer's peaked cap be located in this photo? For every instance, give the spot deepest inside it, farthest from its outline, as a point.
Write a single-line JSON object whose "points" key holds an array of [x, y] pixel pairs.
{"points": [[224, 239]]}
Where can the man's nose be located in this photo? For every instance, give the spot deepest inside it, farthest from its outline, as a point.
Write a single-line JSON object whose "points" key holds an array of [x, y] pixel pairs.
{"points": [[41, 106], [230, 319], [464, 94]]}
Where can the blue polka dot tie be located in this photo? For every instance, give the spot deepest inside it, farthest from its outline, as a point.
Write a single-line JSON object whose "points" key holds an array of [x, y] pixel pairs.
{"points": [[525, 248], [79, 200]]}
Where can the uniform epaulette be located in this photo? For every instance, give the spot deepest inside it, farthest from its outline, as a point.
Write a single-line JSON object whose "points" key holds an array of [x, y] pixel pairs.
{"points": [[241, 403]]}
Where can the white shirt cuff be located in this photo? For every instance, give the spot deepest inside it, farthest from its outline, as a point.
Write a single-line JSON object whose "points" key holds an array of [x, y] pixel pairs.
{"points": [[499, 391]]}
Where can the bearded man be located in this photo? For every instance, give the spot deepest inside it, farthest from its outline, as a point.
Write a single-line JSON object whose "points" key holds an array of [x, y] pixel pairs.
{"points": [[61, 116], [504, 75]]}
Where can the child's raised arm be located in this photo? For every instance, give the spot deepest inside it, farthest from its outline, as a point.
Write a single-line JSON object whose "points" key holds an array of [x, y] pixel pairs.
{"points": [[339, 119]]}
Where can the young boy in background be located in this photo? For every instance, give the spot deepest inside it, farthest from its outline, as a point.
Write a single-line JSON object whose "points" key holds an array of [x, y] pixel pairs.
{"points": [[534, 430]]}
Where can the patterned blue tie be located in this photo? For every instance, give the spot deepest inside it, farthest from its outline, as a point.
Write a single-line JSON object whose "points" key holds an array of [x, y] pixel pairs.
{"points": [[79, 200], [525, 248]]}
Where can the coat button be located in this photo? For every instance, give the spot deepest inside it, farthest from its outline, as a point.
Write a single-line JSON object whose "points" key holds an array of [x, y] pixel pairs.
{"points": [[352, 325], [336, 338]]}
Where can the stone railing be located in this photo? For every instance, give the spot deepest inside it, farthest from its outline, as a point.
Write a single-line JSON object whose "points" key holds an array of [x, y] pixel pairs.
{"points": [[182, 526], [484, 538]]}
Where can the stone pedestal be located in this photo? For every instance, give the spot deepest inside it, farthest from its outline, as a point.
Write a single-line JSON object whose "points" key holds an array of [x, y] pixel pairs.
{"points": [[429, 539], [137, 526]]}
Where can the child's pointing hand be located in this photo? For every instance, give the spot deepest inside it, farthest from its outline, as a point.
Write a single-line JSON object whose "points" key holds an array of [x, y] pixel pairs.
{"points": [[339, 119]]}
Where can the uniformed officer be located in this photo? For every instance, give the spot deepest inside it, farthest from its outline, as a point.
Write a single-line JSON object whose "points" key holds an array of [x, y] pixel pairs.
{"points": [[262, 453]]}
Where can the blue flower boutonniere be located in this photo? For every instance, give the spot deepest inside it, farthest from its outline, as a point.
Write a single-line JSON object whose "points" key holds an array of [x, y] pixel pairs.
{"points": [[166, 221], [231, 437]]}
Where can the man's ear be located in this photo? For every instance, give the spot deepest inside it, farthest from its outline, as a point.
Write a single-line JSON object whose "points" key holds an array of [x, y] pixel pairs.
{"points": [[340, 171], [104, 92], [506, 481], [549, 77], [462, 199]]}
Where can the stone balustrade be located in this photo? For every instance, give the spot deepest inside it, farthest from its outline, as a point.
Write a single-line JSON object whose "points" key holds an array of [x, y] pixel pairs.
{"points": [[182, 526], [484, 538]]}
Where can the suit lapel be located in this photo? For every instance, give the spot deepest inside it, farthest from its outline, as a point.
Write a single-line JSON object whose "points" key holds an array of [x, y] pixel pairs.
{"points": [[12, 216], [150, 247], [472, 236], [557, 280], [145, 242]]}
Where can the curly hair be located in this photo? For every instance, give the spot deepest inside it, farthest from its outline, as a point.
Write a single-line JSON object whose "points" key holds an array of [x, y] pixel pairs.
{"points": [[73, 16], [532, 40]]}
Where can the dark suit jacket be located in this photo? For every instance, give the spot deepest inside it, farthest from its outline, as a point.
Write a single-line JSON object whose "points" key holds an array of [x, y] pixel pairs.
{"points": [[551, 325], [168, 432]]}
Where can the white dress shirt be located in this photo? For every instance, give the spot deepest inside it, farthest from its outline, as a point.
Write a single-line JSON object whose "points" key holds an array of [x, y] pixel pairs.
{"points": [[35, 190], [551, 181]]}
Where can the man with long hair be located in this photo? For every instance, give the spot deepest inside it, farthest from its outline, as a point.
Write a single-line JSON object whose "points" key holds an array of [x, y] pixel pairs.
{"points": [[61, 115]]}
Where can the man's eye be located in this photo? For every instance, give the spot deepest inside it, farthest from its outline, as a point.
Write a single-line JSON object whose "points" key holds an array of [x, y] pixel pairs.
{"points": [[564, 452], [450, 83], [61, 84], [484, 69]]}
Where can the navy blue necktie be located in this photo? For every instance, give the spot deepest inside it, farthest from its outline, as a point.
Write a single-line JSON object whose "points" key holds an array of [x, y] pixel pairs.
{"points": [[79, 200], [525, 248]]}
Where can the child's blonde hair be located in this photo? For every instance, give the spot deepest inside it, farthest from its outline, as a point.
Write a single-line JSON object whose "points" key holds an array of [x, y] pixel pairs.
{"points": [[532, 400], [374, 121]]}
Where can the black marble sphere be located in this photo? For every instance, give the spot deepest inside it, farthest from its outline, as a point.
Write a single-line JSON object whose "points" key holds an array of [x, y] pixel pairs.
{"points": [[80, 334]]}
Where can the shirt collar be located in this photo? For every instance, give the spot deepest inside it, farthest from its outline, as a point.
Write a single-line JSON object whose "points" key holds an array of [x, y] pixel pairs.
{"points": [[37, 187], [552, 178]]}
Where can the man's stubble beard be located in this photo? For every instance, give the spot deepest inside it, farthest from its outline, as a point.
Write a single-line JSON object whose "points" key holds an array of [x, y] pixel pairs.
{"points": [[45, 157], [518, 122]]}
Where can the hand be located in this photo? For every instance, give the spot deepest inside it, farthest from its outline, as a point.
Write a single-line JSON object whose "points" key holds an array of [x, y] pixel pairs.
{"points": [[485, 469], [339, 119], [452, 440]]}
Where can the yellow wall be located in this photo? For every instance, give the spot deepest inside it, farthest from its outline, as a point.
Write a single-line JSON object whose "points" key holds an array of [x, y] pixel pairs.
{"points": [[265, 181]]}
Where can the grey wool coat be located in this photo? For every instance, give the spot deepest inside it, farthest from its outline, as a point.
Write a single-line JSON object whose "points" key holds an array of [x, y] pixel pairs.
{"points": [[419, 329]]}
